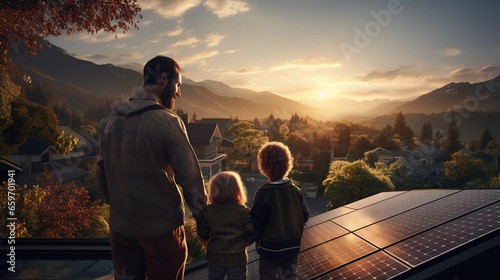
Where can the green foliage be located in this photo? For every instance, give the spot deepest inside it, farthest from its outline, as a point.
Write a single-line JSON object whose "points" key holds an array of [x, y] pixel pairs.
{"points": [[247, 142], [486, 137], [426, 133], [402, 131], [463, 171], [64, 144], [196, 250], [27, 202], [371, 159], [452, 144], [360, 146], [349, 182], [298, 144], [27, 120], [284, 131]]}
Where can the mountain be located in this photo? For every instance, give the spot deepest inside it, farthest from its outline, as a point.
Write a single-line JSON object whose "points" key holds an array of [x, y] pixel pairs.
{"points": [[78, 83], [106, 80], [483, 96]]}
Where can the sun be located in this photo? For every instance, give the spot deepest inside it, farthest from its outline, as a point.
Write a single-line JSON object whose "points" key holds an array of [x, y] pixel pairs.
{"points": [[323, 95]]}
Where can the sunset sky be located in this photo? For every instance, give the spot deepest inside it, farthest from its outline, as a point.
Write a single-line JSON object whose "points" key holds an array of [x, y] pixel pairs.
{"points": [[311, 51]]}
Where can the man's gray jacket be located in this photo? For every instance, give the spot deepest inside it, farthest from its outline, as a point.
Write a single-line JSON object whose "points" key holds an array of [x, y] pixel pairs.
{"points": [[143, 157]]}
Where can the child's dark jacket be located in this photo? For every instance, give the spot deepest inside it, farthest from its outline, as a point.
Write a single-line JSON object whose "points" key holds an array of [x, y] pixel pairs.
{"points": [[279, 213]]}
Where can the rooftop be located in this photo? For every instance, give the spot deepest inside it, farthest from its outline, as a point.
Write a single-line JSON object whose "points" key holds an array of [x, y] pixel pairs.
{"points": [[419, 234]]}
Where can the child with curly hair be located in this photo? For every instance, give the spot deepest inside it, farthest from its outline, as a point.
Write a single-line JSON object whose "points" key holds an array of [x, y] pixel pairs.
{"points": [[226, 228], [279, 213]]}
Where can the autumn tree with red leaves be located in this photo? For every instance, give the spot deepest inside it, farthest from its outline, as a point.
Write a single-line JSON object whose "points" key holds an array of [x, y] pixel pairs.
{"points": [[24, 22], [65, 211]]}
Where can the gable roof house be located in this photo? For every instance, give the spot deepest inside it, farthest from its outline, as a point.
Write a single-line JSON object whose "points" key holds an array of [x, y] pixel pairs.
{"points": [[38, 155], [206, 140], [422, 166]]}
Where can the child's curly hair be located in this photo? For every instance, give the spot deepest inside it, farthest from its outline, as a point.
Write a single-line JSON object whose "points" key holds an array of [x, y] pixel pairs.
{"points": [[275, 161], [226, 186]]}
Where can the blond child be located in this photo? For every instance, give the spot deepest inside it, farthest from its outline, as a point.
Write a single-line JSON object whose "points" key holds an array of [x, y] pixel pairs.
{"points": [[226, 228], [279, 213]]}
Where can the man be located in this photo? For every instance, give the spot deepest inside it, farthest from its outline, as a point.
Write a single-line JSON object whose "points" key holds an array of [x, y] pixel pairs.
{"points": [[144, 152]]}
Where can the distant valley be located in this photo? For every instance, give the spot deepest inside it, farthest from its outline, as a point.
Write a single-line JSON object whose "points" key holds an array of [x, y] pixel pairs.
{"points": [[79, 84]]}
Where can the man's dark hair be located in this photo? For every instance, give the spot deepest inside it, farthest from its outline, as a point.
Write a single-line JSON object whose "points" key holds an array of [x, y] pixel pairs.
{"points": [[158, 65]]}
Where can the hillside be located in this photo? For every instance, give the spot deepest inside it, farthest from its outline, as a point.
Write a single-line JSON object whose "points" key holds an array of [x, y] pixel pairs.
{"points": [[78, 83], [483, 96], [470, 124]]}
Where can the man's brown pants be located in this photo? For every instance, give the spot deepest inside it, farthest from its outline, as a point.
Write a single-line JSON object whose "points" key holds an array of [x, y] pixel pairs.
{"points": [[162, 257]]}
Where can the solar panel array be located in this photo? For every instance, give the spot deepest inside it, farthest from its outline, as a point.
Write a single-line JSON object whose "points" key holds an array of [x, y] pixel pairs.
{"points": [[396, 235]]}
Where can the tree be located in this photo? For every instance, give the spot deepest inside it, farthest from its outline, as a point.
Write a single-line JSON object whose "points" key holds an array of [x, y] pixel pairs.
{"points": [[194, 116], [65, 143], [452, 144], [402, 131], [247, 142], [426, 133], [25, 22], [284, 131], [462, 169], [65, 210], [298, 144], [371, 159], [26, 120], [27, 201], [486, 137], [360, 146], [349, 182]]}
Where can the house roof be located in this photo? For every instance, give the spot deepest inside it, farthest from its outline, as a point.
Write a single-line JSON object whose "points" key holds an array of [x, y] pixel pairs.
{"points": [[381, 152], [400, 235], [34, 147], [202, 133], [7, 164]]}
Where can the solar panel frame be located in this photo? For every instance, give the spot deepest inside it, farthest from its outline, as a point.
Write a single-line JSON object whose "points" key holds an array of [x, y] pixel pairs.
{"points": [[379, 265], [391, 207], [379, 197], [328, 256], [420, 219], [447, 237], [321, 233]]}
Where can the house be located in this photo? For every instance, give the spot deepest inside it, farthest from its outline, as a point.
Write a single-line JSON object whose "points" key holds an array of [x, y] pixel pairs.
{"points": [[206, 140], [7, 167], [38, 155], [423, 166]]}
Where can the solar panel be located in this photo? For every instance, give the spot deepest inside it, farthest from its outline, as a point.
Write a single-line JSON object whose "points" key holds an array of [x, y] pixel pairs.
{"points": [[331, 255], [321, 233], [405, 225], [372, 199], [448, 236], [390, 207], [376, 266], [337, 212]]}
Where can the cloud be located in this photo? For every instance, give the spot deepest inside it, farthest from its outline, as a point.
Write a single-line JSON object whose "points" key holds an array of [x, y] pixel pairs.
{"points": [[249, 70], [213, 39], [388, 75], [197, 57], [452, 52], [120, 46], [226, 8], [174, 32], [169, 9], [188, 41], [146, 23], [307, 64], [230, 51], [99, 37], [119, 57]]}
